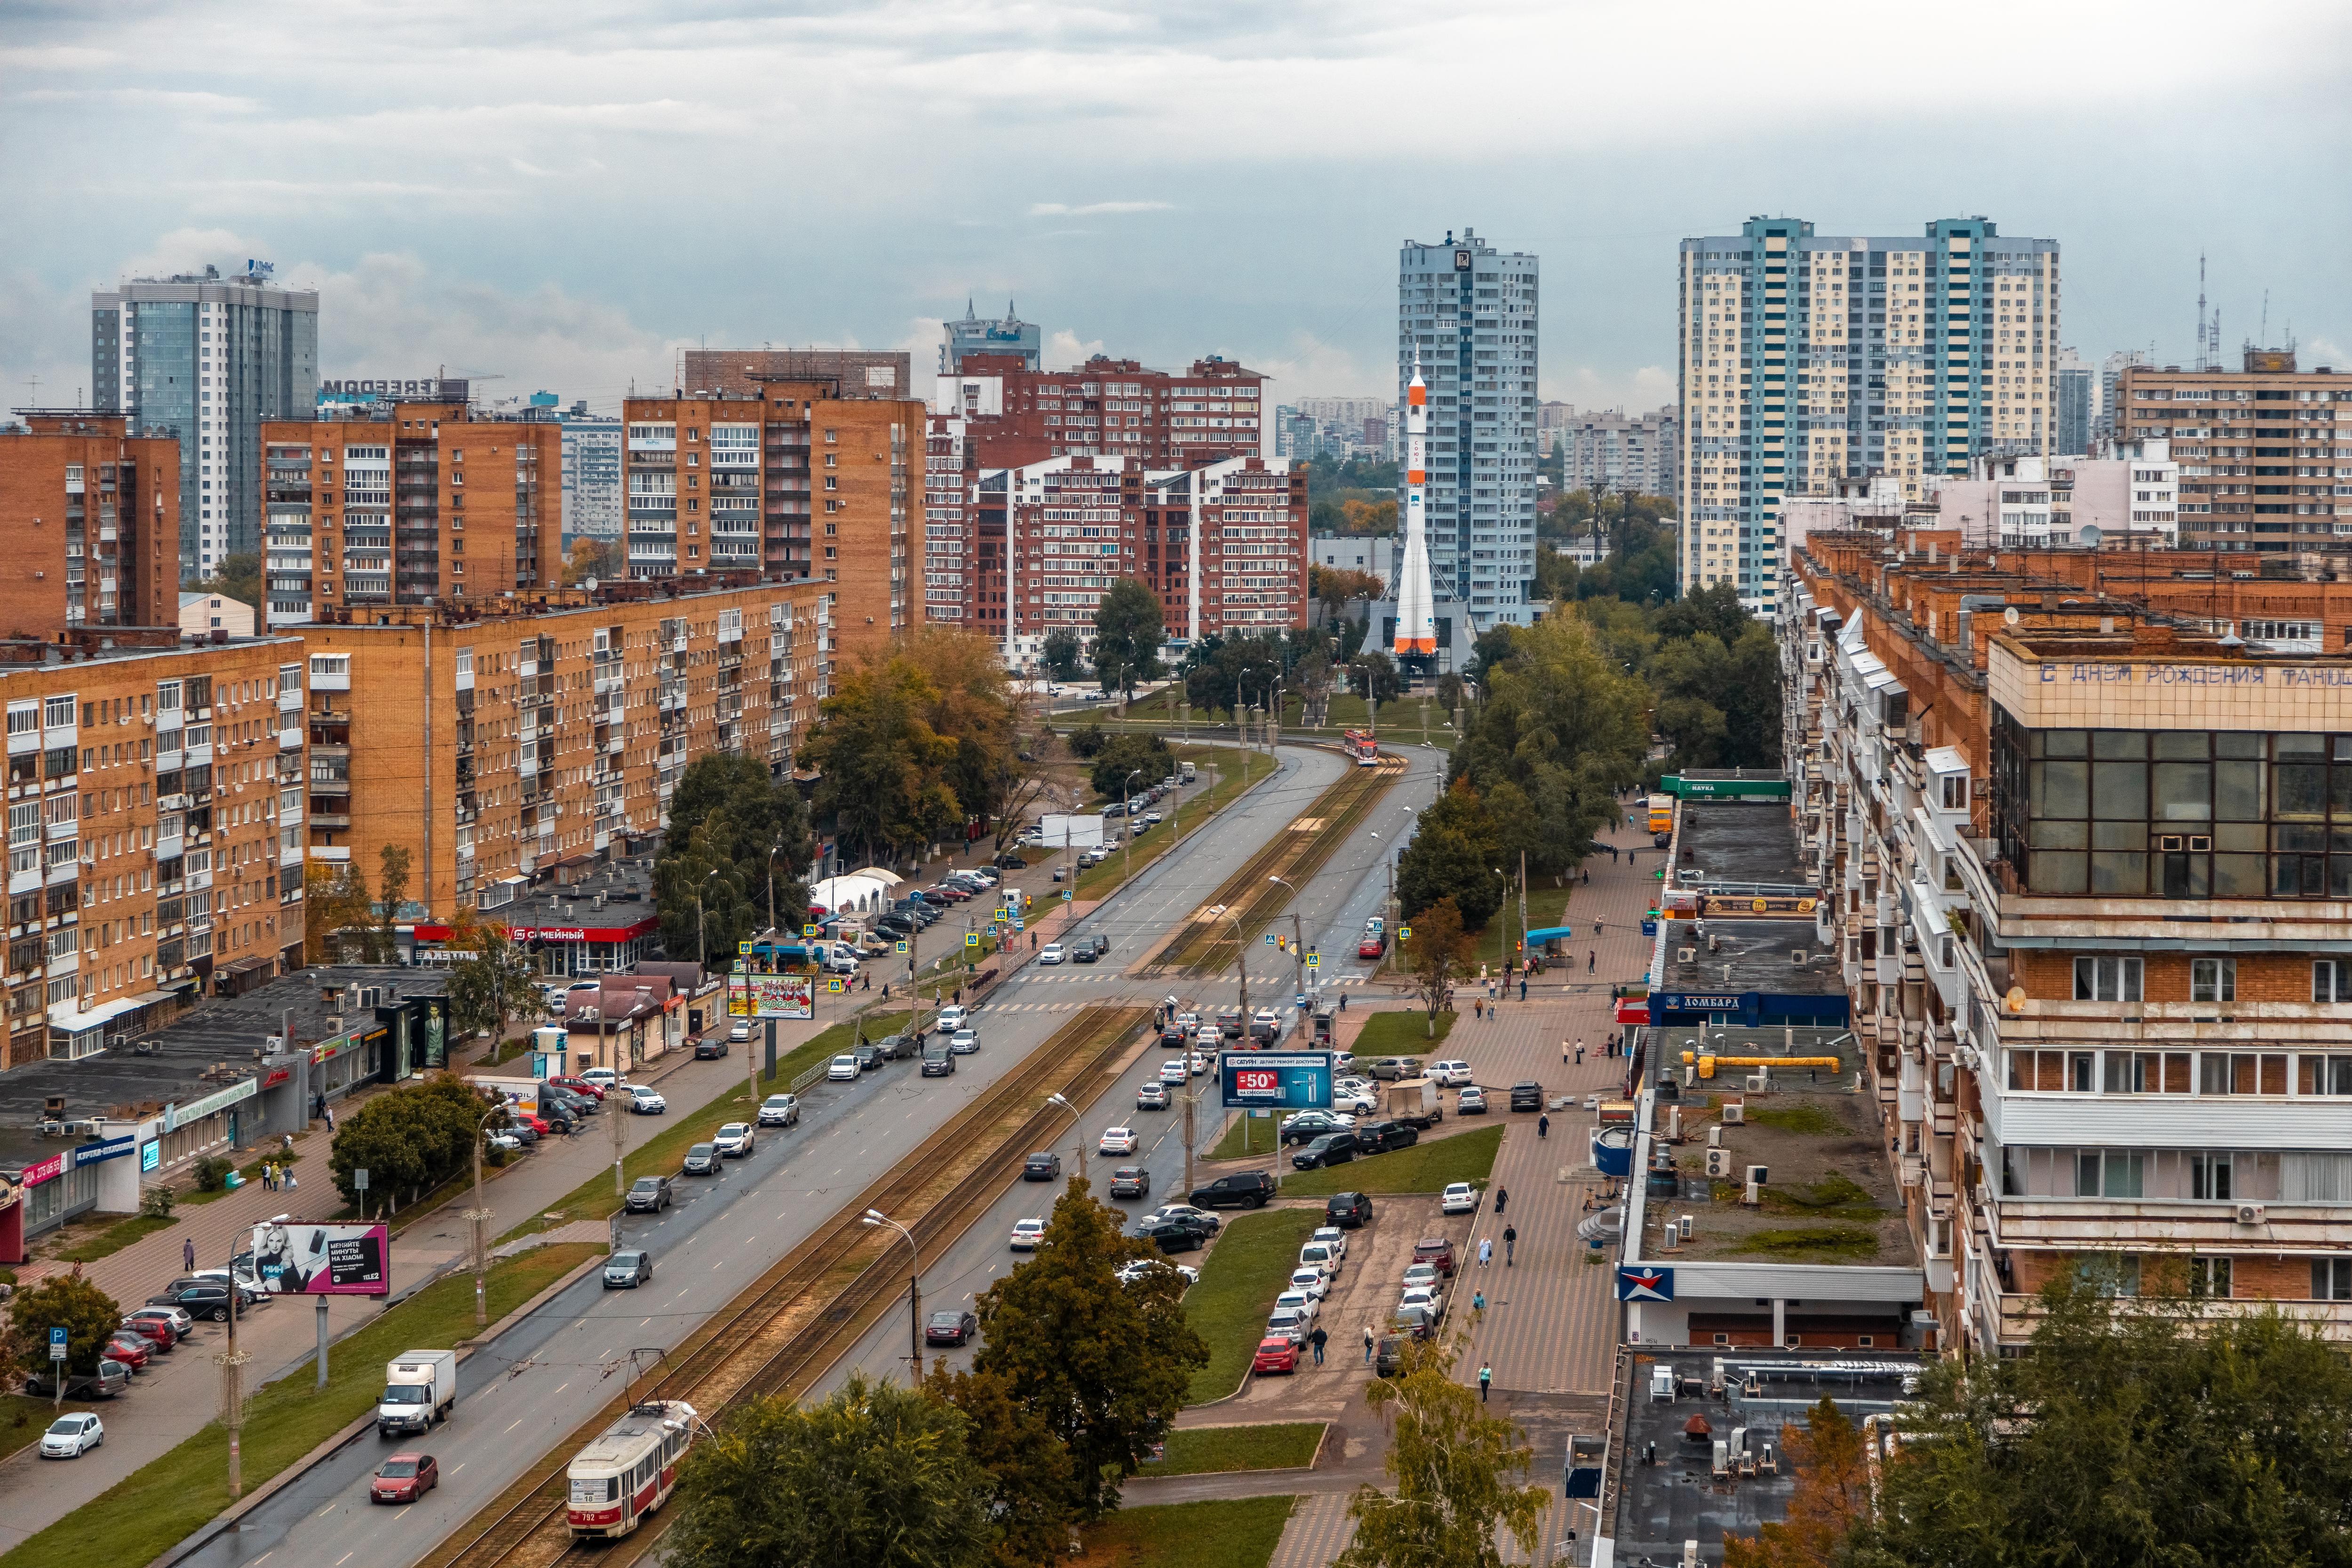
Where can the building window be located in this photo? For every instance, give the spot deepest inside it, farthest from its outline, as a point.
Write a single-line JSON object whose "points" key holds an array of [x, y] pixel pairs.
{"points": [[1955, 792], [2210, 1276], [2212, 980], [2331, 1278], [2209, 1178], [2331, 980], [2107, 979]]}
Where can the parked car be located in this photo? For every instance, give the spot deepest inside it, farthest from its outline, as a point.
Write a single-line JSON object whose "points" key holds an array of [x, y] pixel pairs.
{"points": [[1311, 1279], [1428, 1297], [132, 1350], [1452, 1074], [1471, 1101], [1306, 1126], [1323, 1258], [1043, 1167], [1170, 1235], [1348, 1211], [1388, 1355], [1130, 1182], [1373, 946], [1423, 1273], [1332, 1236], [1381, 1137], [1246, 1189], [1201, 1221], [1527, 1097], [1151, 1097], [1331, 1149], [1459, 1198], [1354, 1099], [627, 1270], [1437, 1249], [1027, 1234], [842, 1070], [1392, 1068], [1143, 1268], [157, 1324], [645, 1101], [780, 1110], [868, 1057], [739, 1031], [735, 1140], [710, 1047], [1117, 1140], [210, 1302], [111, 1379], [581, 1085], [71, 1436], [1292, 1322], [1276, 1352], [604, 1078], [950, 1328], [649, 1195], [404, 1477]]}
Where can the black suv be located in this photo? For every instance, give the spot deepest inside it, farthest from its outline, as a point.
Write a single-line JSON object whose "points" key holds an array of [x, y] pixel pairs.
{"points": [[870, 1057], [1380, 1137], [198, 1300], [1041, 1167], [1170, 1235], [1250, 1189], [650, 1195], [1348, 1211], [1331, 1149], [1527, 1097], [1308, 1125]]}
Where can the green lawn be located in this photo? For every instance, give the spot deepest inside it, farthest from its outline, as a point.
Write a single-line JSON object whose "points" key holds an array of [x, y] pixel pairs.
{"points": [[1260, 1134], [1426, 1167], [1245, 1270], [1100, 882], [1400, 1032], [162, 1502], [1229, 1532], [594, 1199], [1198, 1450], [113, 1237]]}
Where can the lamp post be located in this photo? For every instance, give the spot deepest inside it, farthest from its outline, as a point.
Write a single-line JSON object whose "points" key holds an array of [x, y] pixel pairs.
{"points": [[701, 945], [914, 1289], [478, 1215], [1057, 1100], [1127, 818]]}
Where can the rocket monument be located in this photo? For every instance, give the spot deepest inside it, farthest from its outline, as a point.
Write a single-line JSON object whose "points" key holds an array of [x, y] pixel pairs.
{"points": [[1417, 625]]}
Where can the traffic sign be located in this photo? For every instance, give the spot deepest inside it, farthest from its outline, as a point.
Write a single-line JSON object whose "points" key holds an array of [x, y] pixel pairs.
{"points": [[1270, 939], [1067, 894], [808, 931], [743, 950], [834, 987], [358, 1178], [56, 1345], [1404, 934], [971, 939], [1313, 961], [902, 947]]}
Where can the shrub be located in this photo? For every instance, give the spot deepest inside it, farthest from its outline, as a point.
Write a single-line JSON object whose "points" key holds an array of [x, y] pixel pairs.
{"points": [[157, 1202], [210, 1173]]}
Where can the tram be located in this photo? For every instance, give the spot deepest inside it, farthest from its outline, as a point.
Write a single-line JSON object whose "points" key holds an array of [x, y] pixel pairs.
{"points": [[628, 1471]]}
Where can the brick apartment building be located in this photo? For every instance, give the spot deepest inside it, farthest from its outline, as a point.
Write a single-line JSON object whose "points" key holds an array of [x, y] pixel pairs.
{"points": [[2265, 452], [849, 374], [406, 503], [154, 836], [2074, 834], [792, 481], [91, 511], [501, 740]]}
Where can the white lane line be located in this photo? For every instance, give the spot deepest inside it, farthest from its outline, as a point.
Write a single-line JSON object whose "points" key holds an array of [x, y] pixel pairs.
{"points": [[561, 1388], [459, 1466], [333, 1506], [648, 1321], [517, 1423], [346, 1557]]}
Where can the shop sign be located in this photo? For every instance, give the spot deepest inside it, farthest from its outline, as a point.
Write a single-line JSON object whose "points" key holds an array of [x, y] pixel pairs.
{"points": [[178, 1116]]}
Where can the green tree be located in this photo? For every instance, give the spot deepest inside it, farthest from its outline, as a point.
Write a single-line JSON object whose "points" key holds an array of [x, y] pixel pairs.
{"points": [[1061, 654], [337, 912], [1029, 1496], [1128, 634], [2137, 1429], [1493, 647], [1126, 754], [1336, 585], [1453, 1474], [410, 1139], [87, 1314], [1437, 951], [1104, 1364], [1088, 740], [496, 983], [1387, 685], [876, 1476], [1455, 855], [703, 896], [883, 765], [235, 578], [764, 829], [594, 559], [392, 864]]}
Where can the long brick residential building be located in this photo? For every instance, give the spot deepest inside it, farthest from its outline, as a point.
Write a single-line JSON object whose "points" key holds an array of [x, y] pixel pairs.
{"points": [[91, 511]]}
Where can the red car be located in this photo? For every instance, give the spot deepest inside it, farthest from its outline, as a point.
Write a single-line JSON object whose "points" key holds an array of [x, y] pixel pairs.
{"points": [[134, 1351], [404, 1477], [1374, 944], [159, 1331], [544, 1129], [580, 1086], [1274, 1353]]}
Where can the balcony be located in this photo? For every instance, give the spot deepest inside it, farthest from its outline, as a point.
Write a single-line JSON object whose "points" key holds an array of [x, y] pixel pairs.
{"points": [[2020, 1315]]}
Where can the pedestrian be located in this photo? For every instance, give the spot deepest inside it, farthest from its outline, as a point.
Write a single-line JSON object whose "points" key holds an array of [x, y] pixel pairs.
{"points": [[1367, 1344], [287, 1181], [1316, 1338], [1510, 1242], [1631, 856], [1485, 1379], [1592, 960], [1564, 1048], [1477, 1007], [1596, 927], [268, 1176], [1032, 941], [1502, 1197], [330, 1118], [1580, 1053], [188, 1254], [1523, 987], [288, 1145], [1543, 1127], [1343, 1001], [1478, 1301], [1485, 1250]]}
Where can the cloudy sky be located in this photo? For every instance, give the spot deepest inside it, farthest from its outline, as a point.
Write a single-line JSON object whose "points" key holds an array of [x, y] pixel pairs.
{"points": [[566, 194]]}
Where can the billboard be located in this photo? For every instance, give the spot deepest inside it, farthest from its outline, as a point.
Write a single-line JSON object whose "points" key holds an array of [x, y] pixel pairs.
{"points": [[1083, 832], [1276, 1080], [771, 996], [296, 1260]]}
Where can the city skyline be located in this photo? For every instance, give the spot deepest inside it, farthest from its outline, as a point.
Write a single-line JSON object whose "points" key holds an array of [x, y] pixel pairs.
{"points": [[364, 166]]}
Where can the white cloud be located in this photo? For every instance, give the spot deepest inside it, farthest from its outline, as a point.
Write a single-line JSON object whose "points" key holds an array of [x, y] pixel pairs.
{"points": [[1062, 349], [1060, 209]]}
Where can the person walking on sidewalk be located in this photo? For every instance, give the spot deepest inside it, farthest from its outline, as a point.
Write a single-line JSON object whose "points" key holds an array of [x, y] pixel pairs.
{"points": [[1591, 960], [1485, 1379], [1477, 1007], [1565, 1048], [1478, 1304], [188, 1254], [1367, 1344], [1510, 1242], [1580, 1053], [1543, 1127], [1316, 1338], [1485, 1250], [1502, 1197]]}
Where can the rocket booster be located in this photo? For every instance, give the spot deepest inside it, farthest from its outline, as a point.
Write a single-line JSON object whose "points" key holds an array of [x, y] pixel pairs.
{"points": [[1416, 626]]}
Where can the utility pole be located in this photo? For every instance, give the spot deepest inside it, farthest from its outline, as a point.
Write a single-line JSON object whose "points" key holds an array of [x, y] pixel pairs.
{"points": [[231, 1361], [479, 1217], [1127, 824], [914, 1289], [613, 1114]]}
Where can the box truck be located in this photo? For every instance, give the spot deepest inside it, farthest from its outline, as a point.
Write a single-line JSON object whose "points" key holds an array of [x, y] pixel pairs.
{"points": [[420, 1387]]}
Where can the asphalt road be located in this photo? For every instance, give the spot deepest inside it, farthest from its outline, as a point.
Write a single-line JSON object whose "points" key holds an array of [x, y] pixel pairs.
{"points": [[544, 1377]]}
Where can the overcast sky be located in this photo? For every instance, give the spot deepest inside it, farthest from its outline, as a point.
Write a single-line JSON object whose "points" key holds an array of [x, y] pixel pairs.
{"points": [[565, 195]]}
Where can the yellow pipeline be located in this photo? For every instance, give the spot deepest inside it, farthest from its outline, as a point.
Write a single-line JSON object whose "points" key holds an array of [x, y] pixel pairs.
{"points": [[1707, 1063]]}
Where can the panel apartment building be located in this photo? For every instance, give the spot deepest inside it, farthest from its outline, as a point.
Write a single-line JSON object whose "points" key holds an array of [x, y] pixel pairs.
{"points": [[91, 511], [1806, 358], [207, 359], [2265, 452], [500, 739], [406, 503], [789, 481], [2084, 884], [154, 829]]}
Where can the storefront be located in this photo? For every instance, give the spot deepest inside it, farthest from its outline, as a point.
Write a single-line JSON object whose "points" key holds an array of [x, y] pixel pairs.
{"points": [[561, 951], [216, 1120]]}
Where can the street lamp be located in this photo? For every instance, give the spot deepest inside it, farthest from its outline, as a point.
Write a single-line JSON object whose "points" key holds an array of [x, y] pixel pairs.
{"points": [[1057, 1100], [1127, 818], [479, 1216], [701, 945], [914, 1287]]}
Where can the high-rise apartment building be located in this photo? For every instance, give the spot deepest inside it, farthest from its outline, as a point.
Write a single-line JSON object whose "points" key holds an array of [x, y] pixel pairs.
{"points": [[154, 829], [592, 477], [843, 374], [1468, 319], [2265, 452], [2111, 373], [791, 481], [496, 740], [406, 503], [1007, 335], [91, 511], [2078, 403], [1808, 358], [208, 359], [1612, 450]]}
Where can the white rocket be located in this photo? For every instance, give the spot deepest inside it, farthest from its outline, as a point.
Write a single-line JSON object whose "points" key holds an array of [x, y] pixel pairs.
{"points": [[1417, 625]]}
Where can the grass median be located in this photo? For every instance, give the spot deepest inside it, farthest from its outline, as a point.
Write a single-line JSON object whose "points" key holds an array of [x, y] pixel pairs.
{"points": [[1228, 1532], [665, 1151], [1245, 1270], [1400, 1032], [1235, 772], [1206, 1450], [167, 1499], [1430, 1166]]}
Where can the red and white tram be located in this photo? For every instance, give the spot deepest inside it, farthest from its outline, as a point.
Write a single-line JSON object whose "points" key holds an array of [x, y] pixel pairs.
{"points": [[1363, 748], [628, 1471]]}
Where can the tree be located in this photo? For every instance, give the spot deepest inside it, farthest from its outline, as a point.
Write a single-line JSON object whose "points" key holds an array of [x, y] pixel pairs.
{"points": [[1454, 855], [1493, 647], [1437, 951], [494, 985], [882, 763], [1128, 634], [1030, 1495], [1088, 740], [1336, 585], [411, 1138], [1387, 685], [336, 911], [1104, 1364], [390, 893], [765, 837], [87, 1314], [2137, 1429], [596, 559], [1126, 753], [703, 896], [1832, 1495], [235, 578], [1061, 653], [1452, 1470], [876, 1476]]}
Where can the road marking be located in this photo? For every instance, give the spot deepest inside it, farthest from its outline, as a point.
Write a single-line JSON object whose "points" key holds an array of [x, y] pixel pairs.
{"points": [[517, 1423], [643, 1324], [561, 1388], [333, 1506], [459, 1466], [346, 1557], [265, 1557]]}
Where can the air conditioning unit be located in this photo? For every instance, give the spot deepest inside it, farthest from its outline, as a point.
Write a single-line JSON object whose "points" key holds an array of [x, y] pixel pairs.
{"points": [[1735, 1111], [1718, 1164], [1799, 956], [1686, 955], [2249, 1213], [1758, 1175]]}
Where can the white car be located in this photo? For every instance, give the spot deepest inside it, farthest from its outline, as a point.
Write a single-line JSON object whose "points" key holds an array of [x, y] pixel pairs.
{"points": [[604, 1079], [1342, 1061], [1051, 953], [1421, 1274], [1312, 1281], [1289, 1323], [71, 1436], [1131, 1272], [1327, 1118], [647, 1102], [1297, 1301], [1316, 1255], [1173, 1070], [1201, 1063], [779, 1110], [1027, 1234], [842, 1070], [1451, 1075], [1362, 1098], [1429, 1298], [734, 1139], [1459, 1198], [964, 1043], [950, 1019], [1118, 1141], [1332, 1236]]}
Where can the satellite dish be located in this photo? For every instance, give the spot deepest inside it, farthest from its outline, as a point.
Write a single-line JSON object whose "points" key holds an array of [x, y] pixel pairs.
{"points": [[2015, 999], [2009, 615], [2088, 535]]}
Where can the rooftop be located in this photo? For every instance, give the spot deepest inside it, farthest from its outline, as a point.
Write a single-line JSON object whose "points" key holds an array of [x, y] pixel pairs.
{"points": [[1737, 841], [1735, 956], [572, 898]]}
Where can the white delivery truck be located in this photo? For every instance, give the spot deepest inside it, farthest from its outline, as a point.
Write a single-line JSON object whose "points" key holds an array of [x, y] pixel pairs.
{"points": [[420, 1387]]}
